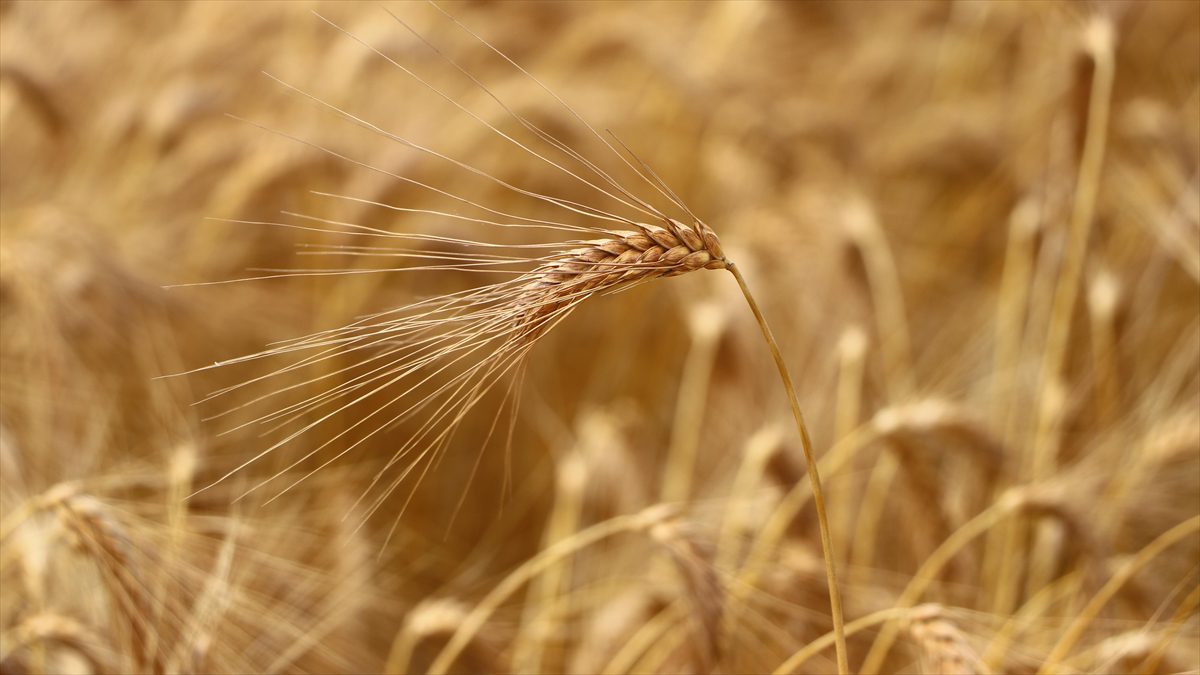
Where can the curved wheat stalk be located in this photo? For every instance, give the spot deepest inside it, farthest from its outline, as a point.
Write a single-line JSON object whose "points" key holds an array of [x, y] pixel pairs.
{"points": [[430, 363]]}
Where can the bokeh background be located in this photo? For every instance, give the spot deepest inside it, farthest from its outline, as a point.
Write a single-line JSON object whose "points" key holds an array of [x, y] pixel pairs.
{"points": [[973, 226]]}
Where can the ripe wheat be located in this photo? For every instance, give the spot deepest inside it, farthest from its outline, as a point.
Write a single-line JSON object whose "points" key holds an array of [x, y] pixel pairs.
{"points": [[432, 362]]}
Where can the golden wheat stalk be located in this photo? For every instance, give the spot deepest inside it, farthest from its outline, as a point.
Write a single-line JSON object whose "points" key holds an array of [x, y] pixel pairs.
{"points": [[432, 362]]}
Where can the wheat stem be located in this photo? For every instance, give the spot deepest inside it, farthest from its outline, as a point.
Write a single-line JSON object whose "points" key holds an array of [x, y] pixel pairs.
{"points": [[822, 643], [835, 600], [1178, 621], [1099, 41]]}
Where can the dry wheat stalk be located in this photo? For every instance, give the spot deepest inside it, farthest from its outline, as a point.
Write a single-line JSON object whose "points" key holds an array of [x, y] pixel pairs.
{"points": [[545, 596], [705, 594], [706, 321], [1098, 41]]}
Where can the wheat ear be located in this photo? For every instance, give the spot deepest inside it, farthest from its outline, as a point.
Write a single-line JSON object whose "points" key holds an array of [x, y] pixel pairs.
{"points": [[500, 323], [479, 337], [944, 647]]}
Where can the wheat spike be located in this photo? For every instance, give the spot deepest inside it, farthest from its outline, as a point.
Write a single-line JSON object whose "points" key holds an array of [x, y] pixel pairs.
{"points": [[435, 360], [62, 632], [944, 648], [625, 258]]}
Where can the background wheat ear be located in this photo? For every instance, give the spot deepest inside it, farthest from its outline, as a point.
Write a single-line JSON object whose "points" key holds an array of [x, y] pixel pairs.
{"points": [[944, 648], [56, 632]]}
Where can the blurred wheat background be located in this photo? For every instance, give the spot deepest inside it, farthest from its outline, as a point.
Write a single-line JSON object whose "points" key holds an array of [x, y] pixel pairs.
{"points": [[974, 226]]}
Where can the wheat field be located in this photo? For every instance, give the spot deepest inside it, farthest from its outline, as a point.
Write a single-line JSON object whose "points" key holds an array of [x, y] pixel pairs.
{"points": [[313, 356]]}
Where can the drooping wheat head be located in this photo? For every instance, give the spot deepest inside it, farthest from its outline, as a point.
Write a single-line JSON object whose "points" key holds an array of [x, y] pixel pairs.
{"points": [[431, 362]]}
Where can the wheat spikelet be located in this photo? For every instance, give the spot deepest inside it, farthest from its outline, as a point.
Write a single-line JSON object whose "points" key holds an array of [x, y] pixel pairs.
{"points": [[923, 437], [55, 629], [623, 259], [616, 481], [102, 537], [704, 593], [944, 648]]}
